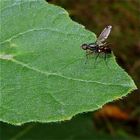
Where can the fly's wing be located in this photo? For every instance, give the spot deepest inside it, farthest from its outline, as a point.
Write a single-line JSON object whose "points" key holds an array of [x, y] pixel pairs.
{"points": [[104, 35]]}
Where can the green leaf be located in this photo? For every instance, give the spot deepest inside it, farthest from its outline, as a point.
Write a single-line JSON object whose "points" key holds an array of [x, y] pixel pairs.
{"points": [[44, 77], [79, 128]]}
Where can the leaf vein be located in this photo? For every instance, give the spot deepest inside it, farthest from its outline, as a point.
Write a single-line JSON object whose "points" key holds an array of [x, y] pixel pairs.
{"points": [[62, 76], [37, 29]]}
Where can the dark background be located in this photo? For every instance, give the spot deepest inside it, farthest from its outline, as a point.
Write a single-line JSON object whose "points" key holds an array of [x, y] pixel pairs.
{"points": [[124, 16], [117, 120]]}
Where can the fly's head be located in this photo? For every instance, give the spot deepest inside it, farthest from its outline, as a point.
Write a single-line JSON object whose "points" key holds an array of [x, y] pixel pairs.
{"points": [[84, 46]]}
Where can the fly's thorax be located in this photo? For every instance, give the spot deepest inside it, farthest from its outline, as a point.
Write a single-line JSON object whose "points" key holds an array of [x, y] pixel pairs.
{"points": [[92, 45]]}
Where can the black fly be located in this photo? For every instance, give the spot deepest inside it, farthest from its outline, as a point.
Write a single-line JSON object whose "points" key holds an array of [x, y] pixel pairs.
{"points": [[99, 46]]}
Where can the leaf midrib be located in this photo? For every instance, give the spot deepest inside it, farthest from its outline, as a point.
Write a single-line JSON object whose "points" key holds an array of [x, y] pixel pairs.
{"points": [[47, 74]]}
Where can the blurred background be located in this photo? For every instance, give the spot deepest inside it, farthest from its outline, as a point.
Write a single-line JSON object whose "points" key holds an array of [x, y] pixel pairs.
{"points": [[118, 120], [124, 15]]}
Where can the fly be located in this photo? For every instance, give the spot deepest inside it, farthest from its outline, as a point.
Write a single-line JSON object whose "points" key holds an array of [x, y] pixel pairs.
{"points": [[99, 46]]}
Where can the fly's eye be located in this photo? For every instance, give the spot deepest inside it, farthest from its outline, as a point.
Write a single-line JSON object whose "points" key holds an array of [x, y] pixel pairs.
{"points": [[84, 46]]}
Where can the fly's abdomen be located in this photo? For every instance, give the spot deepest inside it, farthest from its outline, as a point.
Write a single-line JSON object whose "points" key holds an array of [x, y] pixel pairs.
{"points": [[107, 50]]}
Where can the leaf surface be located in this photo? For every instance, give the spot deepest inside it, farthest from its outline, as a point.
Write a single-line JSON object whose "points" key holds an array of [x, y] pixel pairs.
{"points": [[44, 77]]}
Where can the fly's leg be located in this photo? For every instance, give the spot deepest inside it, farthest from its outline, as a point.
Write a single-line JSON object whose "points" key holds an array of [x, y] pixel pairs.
{"points": [[96, 59], [87, 54], [105, 59]]}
